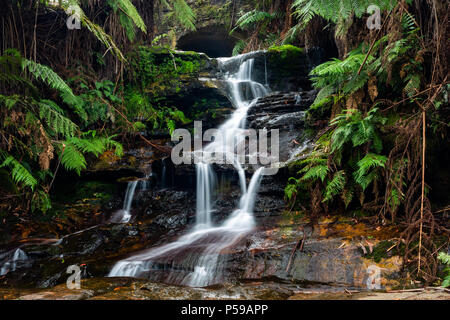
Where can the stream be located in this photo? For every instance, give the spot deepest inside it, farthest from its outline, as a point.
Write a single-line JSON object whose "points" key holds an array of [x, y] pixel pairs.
{"points": [[193, 259], [194, 230]]}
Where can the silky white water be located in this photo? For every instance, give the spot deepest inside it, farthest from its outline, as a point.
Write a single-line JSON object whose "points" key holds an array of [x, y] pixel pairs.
{"points": [[194, 258], [10, 265], [124, 215]]}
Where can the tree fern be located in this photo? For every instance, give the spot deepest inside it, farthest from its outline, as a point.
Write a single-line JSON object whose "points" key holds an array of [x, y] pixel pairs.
{"points": [[336, 10], [253, 17], [94, 28], [184, 14]]}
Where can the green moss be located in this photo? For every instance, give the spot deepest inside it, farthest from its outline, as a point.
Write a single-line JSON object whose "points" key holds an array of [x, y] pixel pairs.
{"points": [[380, 251], [159, 69], [285, 55], [286, 50], [288, 61]]}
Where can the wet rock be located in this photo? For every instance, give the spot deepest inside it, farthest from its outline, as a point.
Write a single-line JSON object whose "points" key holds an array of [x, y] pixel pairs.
{"points": [[333, 261], [285, 112], [95, 250], [59, 295]]}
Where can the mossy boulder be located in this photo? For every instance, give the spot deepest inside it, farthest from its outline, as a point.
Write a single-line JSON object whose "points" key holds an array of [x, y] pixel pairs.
{"points": [[288, 67]]}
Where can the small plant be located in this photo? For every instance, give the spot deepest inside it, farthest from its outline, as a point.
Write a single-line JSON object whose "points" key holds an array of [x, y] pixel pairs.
{"points": [[445, 259]]}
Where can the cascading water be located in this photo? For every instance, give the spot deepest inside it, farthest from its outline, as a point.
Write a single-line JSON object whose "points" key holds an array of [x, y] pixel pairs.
{"points": [[194, 258], [124, 215], [129, 195], [17, 257]]}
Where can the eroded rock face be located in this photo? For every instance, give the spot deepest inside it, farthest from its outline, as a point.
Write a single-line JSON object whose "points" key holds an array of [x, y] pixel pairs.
{"points": [[336, 260], [285, 112]]}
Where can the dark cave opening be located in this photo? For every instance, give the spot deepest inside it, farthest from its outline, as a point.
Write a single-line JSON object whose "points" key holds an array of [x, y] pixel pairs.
{"points": [[214, 41]]}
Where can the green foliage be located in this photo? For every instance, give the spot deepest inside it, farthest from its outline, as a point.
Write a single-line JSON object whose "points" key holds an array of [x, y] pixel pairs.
{"points": [[337, 77], [335, 186], [353, 128], [182, 12], [37, 127], [239, 47], [19, 173], [445, 259], [352, 149], [315, 172], [94, 28], [97, 101], [336, 10], [129, 17], [364, 175], [51, 78], [72, 158], [251, 18], [56, 121]]}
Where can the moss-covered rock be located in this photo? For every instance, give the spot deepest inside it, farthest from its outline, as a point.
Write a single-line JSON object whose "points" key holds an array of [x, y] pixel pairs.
{"points": [[288, 67], [159, 71]]}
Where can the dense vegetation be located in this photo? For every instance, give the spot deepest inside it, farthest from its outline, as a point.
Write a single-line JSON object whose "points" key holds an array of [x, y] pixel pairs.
{"points": [[385, 98], [48, 121], [382, 103]]}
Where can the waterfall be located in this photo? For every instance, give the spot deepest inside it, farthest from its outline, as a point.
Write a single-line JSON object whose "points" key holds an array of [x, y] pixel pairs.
{"points": [[194, 258], [124, 215], [18, 257]]}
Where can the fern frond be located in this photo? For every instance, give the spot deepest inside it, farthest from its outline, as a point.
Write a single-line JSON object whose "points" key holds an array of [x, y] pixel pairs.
{"points": [[94, 28], [184, 14], [444, 258], [315, 173], [47, 75], [72, 159], [370, 161], [253, 17], [131, 11], [54, 81], [239, 47], [335, 186], [337, 10], [19, 173], [55, 119]]}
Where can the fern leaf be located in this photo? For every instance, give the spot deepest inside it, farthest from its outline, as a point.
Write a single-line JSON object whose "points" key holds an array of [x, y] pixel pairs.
{"points": [[131, 11], [56, 120], [315, 173], [72, 159], [370, 161], [184, 14], [335, 186], [19, 173], [239, 47]]}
